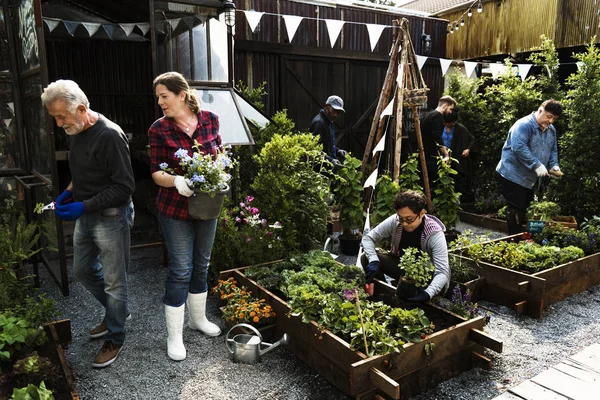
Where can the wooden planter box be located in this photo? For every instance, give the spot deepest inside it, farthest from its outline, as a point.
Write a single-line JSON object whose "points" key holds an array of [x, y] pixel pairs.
{"points": [[398, 375], [531, 293], [59, 333], [484, 221], [475, 286]]}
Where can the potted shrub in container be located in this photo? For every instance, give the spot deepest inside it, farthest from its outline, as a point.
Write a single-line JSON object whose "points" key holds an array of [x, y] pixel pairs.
{"points": [[418, 272], [549, 212], [348, 194]]}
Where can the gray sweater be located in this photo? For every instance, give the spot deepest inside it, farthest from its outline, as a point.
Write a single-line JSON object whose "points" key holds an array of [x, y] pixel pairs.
{"points": [[433, 242], [100, 166]]}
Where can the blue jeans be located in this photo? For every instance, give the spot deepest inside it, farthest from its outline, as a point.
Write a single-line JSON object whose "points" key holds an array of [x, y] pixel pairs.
{"points": [[101, 244], [189, 244]]}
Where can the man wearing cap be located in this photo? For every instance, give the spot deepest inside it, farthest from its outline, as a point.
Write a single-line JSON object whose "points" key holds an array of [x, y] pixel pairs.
{"points": [[322, 125]]}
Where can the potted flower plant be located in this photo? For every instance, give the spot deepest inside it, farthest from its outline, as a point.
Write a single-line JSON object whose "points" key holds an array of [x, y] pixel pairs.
{"points": [[348, 193], [207, 177]]}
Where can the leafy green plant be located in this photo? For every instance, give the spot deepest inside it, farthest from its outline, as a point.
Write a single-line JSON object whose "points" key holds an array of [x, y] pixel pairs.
{"points": [[417, 267], [17, 243], [291, 189], [446, 201], [15, 333], [410, 177], [578, 190], [385, 192], [348, 194], [542, 210], [32, 392], [32, 364], [255, 95]]}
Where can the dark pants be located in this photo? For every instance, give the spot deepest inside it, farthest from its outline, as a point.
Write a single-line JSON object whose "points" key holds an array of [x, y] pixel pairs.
{"points": [[517, 200], [388, 265]]}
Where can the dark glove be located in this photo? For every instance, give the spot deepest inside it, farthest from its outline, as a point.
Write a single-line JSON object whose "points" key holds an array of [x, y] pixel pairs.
{"points": [[372, 270], [342, 153], [336, 163], [70, 212], [64, 197], [420, 298]]}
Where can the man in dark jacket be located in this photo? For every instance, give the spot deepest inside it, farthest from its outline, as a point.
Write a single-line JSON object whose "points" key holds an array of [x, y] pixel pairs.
{"points": [[459, 140], [322, 125], [432, 124]]}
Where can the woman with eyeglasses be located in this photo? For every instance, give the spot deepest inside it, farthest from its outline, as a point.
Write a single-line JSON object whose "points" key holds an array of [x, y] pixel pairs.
{"points": [[410, 226]]}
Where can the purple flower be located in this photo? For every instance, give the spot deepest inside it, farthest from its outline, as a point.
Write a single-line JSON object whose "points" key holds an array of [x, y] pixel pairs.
{"points": [[350, 294], [249, 199], [163, 165], [254, 211]]}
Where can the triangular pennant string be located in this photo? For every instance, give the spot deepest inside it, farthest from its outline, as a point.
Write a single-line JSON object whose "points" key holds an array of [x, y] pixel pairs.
{"points": [[12, 107], [71, 26], [144, 28], [253, 18], [51, 23], [174, 23], [334, 27], [470, 68], [374, 32], [388, 110], [381, 145], [160, 27], [371, 180], [496, 70], [421, 61], [189, 21], [109, 29], [91, 27], [7, 122], [291, 25], [445, 64], [127, 28], [524, 70]]}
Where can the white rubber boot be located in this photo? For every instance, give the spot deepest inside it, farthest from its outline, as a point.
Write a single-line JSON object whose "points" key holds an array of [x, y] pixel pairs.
{"points": [[196, 303], [175, 347]]}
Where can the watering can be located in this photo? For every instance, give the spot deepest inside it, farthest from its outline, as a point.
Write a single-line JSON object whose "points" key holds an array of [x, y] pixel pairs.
{"points": [[246, 348]]}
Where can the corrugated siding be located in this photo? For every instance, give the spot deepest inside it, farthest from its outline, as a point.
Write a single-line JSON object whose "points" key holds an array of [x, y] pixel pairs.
{"points": [[513, 27]]}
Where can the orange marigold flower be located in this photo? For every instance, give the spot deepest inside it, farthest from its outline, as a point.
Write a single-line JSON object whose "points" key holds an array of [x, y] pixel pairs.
{"points": [[241, 315], [255, 319], [267, 315], [252, 314]]}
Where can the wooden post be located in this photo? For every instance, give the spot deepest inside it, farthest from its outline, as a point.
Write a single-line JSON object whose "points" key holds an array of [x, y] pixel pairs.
{"points": [[377, 125], [399, 104], [422, 157]]}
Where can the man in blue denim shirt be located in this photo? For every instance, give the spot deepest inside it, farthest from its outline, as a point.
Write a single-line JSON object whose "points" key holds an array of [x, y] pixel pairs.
{"points": [[529, 153]]}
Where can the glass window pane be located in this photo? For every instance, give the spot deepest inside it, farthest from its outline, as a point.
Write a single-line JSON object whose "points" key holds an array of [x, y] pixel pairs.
{"points": [[4, 50], [10, 152], [183, 54], [38, 142], [26, 36], [221, 103], [200, 53], [218, 50]]}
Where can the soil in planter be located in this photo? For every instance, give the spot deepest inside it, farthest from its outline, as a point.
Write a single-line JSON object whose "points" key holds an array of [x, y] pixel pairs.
{"points": [[52, 377]]}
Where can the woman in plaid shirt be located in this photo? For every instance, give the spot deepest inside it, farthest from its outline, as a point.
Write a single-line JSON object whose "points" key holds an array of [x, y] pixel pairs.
{"points": [[189, 241]]}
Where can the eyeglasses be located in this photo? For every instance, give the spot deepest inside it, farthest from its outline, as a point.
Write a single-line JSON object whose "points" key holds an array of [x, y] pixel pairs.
{"points": [[407, 220]]}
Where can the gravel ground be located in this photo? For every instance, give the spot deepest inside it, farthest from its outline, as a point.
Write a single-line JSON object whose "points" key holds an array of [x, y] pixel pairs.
{"points": [[143, 370]]}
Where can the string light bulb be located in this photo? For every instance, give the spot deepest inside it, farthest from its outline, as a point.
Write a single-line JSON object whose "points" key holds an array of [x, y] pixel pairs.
{"points": [[470, 13], [462, 22], [479, 7], [456, 27]]}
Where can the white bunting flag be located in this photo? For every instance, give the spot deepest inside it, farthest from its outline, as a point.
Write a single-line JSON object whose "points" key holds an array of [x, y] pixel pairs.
{"points": [[421, 61], [12, 107], [145, 27], [91, 27], [388, 110], [374, 32], [470, 68], [371, 180], [524, 70], [366, 230], [253, 18], [579, 65], [334, 27], [291, 25], [71, 26], [51, 23], [445, 64], [381, 145], [174, 23], [127, 28], [109, 29], [7, 122], [400, 77], [497, 70]]}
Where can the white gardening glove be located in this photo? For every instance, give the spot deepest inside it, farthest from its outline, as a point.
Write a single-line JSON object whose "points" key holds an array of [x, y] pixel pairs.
{"points": [[556, 172], [541, 170], [183, 186]]}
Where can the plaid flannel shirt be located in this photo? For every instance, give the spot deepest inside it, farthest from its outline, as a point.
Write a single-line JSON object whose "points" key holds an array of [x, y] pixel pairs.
{"points": [[165, 138]]}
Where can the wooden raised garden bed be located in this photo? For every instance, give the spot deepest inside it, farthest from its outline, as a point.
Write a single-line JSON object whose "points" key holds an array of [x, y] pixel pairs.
{"points": [[485, 221], [531, 293], [458, 347]]}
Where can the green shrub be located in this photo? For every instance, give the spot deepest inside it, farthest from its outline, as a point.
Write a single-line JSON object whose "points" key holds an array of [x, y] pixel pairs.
{"points": [[385, 192], [349, 194]]}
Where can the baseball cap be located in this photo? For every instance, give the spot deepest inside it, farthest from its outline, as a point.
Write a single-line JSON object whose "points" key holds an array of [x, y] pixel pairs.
{"points": [[336, 102]]}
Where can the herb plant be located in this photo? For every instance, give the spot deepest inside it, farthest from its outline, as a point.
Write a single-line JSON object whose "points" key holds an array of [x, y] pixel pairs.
{"points": [[410, 177], [417, 267], [349, 195], [542, 210], [446, 201], [385, 192]]}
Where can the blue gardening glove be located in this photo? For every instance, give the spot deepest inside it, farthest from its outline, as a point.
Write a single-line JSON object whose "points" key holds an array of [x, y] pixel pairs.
{"points": [[372, 270], [70, 212], [64, 197], [420, 298]]}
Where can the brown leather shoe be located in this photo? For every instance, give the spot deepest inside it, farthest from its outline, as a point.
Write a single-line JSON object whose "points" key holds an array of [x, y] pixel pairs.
{"points": [[102, 330], [107, 355]]}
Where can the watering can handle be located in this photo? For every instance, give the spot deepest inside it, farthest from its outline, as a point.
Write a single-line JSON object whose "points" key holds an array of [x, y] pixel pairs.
{"points": [[227, 340]]}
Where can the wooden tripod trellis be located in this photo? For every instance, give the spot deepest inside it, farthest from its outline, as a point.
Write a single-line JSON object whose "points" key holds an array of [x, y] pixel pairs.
{"points": [[410, 91]]}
